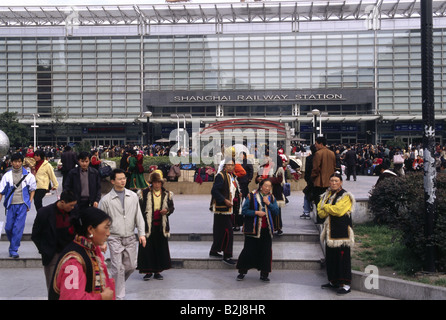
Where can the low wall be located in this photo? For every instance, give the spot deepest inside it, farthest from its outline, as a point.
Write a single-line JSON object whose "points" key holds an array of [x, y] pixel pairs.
{"points": [[184, 187], [362, 213]]}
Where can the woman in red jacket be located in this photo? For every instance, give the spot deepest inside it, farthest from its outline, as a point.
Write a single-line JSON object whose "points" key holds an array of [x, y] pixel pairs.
{"points": [[81, 272]]}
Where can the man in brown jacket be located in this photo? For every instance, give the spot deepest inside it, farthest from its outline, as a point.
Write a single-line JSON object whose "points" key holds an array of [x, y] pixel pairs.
{"points": [[324, 164]]}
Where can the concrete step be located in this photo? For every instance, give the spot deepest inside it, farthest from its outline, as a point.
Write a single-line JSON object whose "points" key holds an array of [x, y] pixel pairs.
{"points": [[287, 255], [238, 236]]}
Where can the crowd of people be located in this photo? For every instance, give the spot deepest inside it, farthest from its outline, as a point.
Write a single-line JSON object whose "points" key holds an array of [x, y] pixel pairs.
{"points": [[73, 233]]}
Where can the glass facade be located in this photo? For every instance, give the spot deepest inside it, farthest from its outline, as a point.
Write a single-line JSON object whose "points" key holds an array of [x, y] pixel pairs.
{"points": [[81, 77], [102, 78], [260, 61]]}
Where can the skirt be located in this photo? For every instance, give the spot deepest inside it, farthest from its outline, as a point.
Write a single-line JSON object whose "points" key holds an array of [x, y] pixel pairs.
{"points": [[155, 257], [338, 262], [257, 253]]}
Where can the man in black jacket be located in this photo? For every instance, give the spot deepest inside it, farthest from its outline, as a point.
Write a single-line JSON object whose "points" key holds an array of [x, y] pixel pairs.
{"points": [[350, 161], [246, 179], [85, 182], [69, 161], [51, 231]]}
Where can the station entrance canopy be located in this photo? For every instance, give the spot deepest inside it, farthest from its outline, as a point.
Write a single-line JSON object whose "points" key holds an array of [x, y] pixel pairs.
{"points": [[247, 126], [249, 131]]}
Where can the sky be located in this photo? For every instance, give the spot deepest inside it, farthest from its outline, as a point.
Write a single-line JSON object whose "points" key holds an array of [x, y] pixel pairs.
{"points": [[102, 2]]}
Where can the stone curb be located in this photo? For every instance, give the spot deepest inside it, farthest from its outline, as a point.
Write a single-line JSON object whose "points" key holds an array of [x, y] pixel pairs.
{"points": [[396, 288]]}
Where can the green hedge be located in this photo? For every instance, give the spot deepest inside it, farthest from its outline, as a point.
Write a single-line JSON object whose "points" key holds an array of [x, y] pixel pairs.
{"points": [[399, 203], [151, 161]]}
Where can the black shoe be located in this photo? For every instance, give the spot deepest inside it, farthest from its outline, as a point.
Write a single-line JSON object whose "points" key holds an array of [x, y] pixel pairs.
{"points": [[229, 261], [279, 232], [264, 278], [236, 229], [305, 216], [240, 277], [329, 286], [147, 277], [215, 254], [158, 276], [342, 291]]}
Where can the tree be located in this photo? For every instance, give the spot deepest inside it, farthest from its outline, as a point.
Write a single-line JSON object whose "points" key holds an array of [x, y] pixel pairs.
{"points": [[84, 145], [17, 132], [57, 125]]}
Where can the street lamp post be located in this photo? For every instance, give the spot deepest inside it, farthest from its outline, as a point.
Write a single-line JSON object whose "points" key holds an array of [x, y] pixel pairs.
{"points": [[184, 130], [316, 113], [427, 97], [178, 128], [148, 114], [34, 126]]}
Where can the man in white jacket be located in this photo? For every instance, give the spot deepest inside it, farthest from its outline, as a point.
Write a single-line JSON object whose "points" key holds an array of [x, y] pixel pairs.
{"points": [[123, 207], [18, 187]]}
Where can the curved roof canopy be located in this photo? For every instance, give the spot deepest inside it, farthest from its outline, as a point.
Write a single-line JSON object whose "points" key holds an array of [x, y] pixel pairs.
{"points": [[243, 124], [202, 13]]}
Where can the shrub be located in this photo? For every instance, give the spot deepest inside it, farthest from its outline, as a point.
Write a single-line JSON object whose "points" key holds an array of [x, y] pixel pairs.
{"points": [[399, 203], [153, 161]]}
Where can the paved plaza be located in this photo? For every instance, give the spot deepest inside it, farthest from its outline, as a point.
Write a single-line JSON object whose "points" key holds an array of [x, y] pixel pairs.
{"points": [[188, 279]]}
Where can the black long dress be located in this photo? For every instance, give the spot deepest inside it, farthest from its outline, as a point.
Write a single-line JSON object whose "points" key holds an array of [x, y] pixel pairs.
{"points": [[257, 249], [155, 256], [338, 234]]}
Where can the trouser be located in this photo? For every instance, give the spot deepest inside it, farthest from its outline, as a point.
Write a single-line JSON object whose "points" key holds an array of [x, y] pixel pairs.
{"points": [[307, 204], [49, 270], [223, 235], [83, 204], [15, 224], [351, 170], [38, 198], [123, 258]]}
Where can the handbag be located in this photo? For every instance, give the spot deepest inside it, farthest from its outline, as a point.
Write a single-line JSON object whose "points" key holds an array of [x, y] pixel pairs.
{"points": [[398, 159], [286, 189], [188, 166], [105, 170]]}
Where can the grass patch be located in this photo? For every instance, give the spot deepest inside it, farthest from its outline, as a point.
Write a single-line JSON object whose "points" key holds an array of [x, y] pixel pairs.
{"points": [[379, 245]]}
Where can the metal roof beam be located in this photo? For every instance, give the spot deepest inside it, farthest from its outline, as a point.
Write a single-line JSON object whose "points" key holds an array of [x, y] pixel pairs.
{"points": [[157, 14], [32, 17], [393, 11], [357, 10], [175, 19], [95, 17], [126, 18], [107, 16]]}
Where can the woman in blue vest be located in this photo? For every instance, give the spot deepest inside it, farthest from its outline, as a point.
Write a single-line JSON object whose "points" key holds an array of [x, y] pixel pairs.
{"points": [[259, 209]]}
